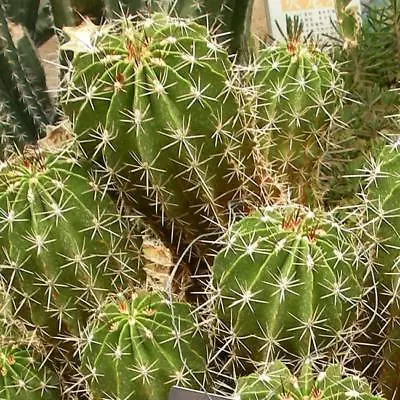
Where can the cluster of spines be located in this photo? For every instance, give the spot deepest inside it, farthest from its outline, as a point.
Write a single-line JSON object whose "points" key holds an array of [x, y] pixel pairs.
{"points": [[276, 381]]}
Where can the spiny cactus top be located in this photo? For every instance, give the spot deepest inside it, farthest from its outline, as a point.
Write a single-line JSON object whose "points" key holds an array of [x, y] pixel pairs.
{"points": [[24, 378], [154, 102], [276, 382], [62, 242], [297, 94], [140, 348], [286, 283]]}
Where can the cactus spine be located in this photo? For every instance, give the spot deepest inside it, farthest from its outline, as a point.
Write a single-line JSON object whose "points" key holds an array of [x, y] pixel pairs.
{"points": [[287, 283], [140, 348], [63, 245]]}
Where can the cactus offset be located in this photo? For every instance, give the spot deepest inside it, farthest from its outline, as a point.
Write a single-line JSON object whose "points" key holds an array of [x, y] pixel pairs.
{"points": [[287, 283], [275, 381], [140, 348], [63, 244], [297, 93]]}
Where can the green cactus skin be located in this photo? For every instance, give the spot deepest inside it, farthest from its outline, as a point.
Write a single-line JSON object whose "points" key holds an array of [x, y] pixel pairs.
{"points": [[382, 195], [140, 348], [349, 22], [276, 382], [155, 105], [297, 95], [230, 18], [63, 245], [24, 378], [287, 283], [23, 12], [25, 106]]}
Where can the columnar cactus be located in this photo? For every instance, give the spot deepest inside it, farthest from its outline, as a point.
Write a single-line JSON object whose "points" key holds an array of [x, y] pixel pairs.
{"points": [[140, 348], [289, 282], [24, 378], [297, 93], [25, 106], [382, 177], [275, 381], [63, 244], [154, 103]]}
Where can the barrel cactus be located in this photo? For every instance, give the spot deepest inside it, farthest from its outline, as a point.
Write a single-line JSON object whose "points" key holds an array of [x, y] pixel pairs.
{"points": [[63, 244], [275, 381], [22, 377], [154, 104], [140, 348], [297, 92], [288, 283]]}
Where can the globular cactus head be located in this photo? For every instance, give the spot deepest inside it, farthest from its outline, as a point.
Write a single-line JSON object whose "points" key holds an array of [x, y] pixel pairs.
{"points": [[63, 243], [23, 377], [141, 347], [297, 92], [289, 282], [275, 381], [381, 175], [156, 104]]}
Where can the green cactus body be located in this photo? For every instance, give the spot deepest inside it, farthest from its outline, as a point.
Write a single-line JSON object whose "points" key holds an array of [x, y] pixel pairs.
{"points": [[276, 382], [230, 18], [63, 245], [287, 283], [298, 94], [383, 203], [142, 347], [24, 378], [382, 228], [349, 21], [155, 104], [25, 106]]}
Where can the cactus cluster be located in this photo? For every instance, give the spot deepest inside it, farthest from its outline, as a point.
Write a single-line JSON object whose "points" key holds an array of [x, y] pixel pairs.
{"points": [[271, 290]]}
